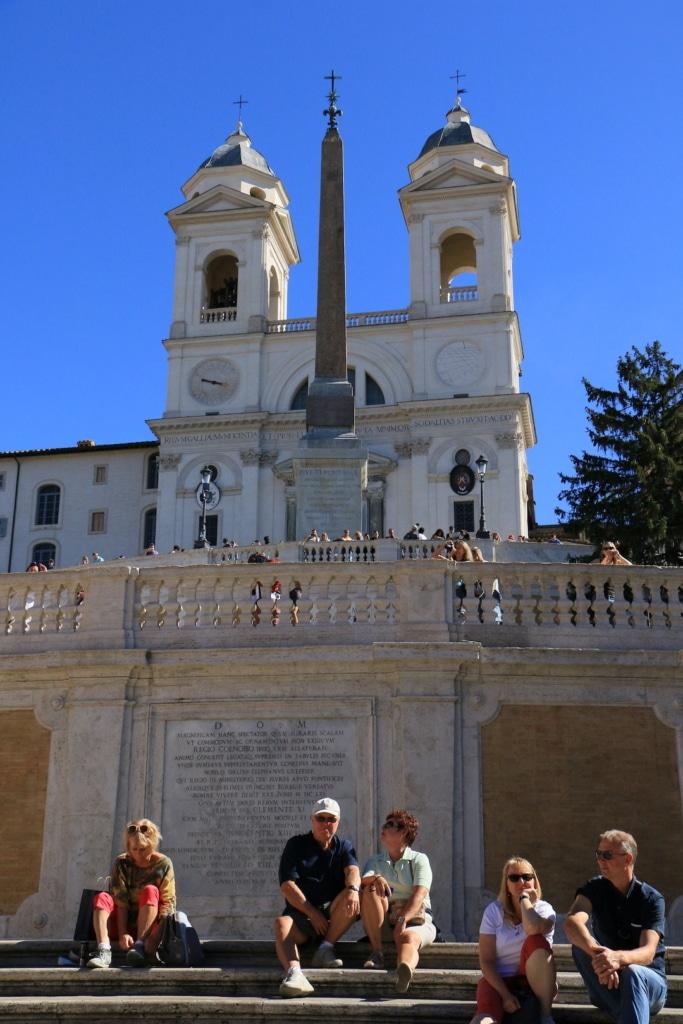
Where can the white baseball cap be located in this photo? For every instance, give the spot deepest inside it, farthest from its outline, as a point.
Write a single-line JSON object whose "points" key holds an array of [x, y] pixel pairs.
{"points": [[326, 806]]}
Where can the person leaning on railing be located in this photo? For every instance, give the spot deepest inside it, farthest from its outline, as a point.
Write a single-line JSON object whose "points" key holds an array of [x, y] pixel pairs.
{"points": [[609, 555]]}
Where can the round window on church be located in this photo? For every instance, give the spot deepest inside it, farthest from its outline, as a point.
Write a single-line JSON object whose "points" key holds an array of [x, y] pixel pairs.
{"points": [[462, 457]]}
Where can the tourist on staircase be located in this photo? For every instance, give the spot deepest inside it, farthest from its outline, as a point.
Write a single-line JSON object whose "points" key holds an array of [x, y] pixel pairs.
{"points": [[622, 961], [142, 895], [320, 881], [515, 947], [395, 898]]}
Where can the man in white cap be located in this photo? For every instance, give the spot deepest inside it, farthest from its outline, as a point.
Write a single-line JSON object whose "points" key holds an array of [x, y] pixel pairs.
{"points": [[320, 881]]}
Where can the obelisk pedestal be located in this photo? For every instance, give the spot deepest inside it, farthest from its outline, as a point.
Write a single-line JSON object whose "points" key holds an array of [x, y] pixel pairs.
{"points": [[330, 465]]}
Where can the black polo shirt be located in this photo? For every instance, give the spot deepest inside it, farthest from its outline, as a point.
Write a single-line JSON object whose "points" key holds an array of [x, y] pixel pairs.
{"points": [[319, 873], [619, 918]]}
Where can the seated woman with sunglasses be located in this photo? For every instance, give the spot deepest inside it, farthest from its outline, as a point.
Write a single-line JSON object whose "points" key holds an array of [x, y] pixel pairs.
{"points": [[395, 898], [515, 947], [142, 894]]}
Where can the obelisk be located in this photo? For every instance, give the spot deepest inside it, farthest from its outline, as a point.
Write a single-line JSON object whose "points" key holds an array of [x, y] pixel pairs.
{"points": [[330, 465]]}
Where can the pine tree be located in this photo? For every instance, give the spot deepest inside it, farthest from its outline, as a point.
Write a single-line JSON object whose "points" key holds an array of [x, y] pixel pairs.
{"points": [[630, 487]]}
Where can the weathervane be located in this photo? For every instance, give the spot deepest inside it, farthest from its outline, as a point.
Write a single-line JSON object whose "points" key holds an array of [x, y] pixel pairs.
{"points": [[333, 112], [458, 91], [241, 102]]}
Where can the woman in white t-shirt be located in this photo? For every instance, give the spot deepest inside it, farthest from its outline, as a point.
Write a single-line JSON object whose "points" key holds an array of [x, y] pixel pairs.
{"points": [[515, 946]]}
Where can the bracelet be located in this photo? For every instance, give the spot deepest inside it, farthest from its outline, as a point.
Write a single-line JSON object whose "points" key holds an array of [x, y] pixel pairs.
{"points": [[527, 896], [353, 888]]}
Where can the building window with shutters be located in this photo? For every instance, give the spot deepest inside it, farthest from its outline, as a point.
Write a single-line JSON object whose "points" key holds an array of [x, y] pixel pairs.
{"points": [[98, 522], [100, 475]]}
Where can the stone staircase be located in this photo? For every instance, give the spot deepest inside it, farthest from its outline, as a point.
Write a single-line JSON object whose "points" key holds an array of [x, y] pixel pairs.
{"points": [[239, 983]]}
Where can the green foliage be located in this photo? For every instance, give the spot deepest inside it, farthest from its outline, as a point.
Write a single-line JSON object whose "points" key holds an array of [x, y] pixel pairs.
{"points": [[630, 487]]}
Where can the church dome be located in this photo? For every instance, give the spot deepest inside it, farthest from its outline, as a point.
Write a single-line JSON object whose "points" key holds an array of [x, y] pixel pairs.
{"points": [[457, 132], [237, 151]]}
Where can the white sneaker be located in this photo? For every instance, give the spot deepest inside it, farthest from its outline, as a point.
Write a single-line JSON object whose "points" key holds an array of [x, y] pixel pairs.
{"points": [[324, 957], [103, 958], [295, 983]]}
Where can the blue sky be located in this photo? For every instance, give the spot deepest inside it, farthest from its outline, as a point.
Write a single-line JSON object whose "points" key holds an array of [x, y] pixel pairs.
{"points": [[110, 106]]}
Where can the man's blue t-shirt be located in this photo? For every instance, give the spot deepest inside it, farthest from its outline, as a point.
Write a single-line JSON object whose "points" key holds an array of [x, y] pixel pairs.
{"points": [[319, 873], [619, 918]]}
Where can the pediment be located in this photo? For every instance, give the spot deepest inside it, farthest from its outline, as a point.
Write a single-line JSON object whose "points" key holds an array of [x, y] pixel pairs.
{"points": [[219, 199], [455, 175]]}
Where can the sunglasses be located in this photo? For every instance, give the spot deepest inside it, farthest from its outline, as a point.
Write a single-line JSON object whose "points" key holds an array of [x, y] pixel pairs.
{"points": [[393, 824], [325, 820], [607, 854], [526, 877], [132, 829]]}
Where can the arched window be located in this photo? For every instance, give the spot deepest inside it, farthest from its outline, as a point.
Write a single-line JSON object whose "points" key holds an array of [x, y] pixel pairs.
{"points": [[153, 472], [373, 392], [458, 268], [301, 394], [149, 531], [47, 505], [299, 400], [44, 552], [221, 283]]}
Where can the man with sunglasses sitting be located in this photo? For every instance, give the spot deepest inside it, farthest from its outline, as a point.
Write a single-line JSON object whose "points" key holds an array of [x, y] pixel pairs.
{"points": [[622, 962], [320, 880]]}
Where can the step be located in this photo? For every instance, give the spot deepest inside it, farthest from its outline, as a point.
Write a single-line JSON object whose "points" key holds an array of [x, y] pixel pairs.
{"points": [[249, 952], [253, 1010], [263, 981]]}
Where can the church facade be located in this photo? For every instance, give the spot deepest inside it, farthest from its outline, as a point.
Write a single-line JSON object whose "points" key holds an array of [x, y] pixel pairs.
{"points": [[436, 383]]}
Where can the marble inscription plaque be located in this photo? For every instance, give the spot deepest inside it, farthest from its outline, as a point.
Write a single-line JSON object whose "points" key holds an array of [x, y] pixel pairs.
{"points": [[329, 495], [235, 790]]}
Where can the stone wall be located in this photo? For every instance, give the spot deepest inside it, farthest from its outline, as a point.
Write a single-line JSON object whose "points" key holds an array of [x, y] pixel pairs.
{"points": [[24, 760], [555, 777], [153, 700]]}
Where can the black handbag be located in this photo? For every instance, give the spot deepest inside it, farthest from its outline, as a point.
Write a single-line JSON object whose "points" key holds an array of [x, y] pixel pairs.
{"points": [[179, 945], [84, 931]]}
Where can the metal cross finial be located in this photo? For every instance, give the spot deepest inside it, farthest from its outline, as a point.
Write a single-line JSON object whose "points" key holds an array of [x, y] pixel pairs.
{"points": [[241, 102], [458, 91], [333, 111]]}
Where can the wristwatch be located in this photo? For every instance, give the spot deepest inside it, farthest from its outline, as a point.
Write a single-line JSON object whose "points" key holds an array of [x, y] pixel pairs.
{"points": [[353, 888]]}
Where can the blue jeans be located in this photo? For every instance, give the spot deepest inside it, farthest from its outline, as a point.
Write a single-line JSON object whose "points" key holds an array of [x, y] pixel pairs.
{"points": [[641, 992]]}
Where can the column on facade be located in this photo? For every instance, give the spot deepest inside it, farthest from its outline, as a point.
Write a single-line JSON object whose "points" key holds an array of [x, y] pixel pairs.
{"points": [[168, 530], [179, 324], [511, 484], [419, 471], [250, 496], [497, 296], [266, 524]]}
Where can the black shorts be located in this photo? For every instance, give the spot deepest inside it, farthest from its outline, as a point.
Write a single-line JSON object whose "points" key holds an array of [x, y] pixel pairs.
{"points": [[303, 923]]}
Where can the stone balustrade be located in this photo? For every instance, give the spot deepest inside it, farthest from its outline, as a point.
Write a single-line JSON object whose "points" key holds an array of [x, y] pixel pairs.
{"points": [[376, 319], [217, 316], [218, 605], [468, 294]]}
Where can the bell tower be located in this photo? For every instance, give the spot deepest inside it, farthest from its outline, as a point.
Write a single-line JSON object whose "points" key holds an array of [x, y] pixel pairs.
{"points": [[461, 212], [234, 244]]}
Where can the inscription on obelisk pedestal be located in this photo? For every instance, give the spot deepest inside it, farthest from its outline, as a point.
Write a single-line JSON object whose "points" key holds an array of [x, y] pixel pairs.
{"points": [[235, 790]]}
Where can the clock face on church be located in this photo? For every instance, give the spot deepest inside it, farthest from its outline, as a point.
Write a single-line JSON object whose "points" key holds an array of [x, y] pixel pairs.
{"points": [[213, 381]]}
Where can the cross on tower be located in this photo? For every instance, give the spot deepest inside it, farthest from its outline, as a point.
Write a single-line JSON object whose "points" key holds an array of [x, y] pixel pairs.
{"points": [[458, 91], [241, 102], [333, 112]]}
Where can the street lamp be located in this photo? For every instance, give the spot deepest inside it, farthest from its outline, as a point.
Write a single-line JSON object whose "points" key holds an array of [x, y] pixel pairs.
{"points": [[204, 497], [481, 464]]}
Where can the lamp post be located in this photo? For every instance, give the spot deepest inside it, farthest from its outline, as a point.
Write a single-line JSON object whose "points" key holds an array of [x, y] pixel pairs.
{"points": [[204, 497], [481, 464]]}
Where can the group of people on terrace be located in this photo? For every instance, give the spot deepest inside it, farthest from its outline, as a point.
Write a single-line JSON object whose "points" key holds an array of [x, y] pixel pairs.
{"points": [[620, 957]]}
